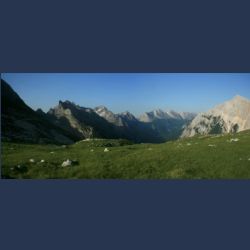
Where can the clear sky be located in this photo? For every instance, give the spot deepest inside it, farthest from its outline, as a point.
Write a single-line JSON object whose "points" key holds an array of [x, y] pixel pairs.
{"points": [[135, 92]]}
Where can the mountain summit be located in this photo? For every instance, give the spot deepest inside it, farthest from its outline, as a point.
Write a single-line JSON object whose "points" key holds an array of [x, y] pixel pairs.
{"points": [[231, 116], [108, 115]]}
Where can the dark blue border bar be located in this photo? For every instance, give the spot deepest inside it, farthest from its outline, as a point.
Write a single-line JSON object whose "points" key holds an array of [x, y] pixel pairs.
{"points": [[124, 214], [125, 36]]}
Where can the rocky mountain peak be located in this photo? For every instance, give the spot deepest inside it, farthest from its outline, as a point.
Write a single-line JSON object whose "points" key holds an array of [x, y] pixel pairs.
{"points": [[239, 98], [230, 116], [66, 104], [101, 108], [166, 115], [187, 115], [40, 111], [109, 116], [103, 111], [127, 115]]}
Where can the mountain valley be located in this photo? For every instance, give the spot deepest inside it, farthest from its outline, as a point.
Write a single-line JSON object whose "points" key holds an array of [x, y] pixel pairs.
{"points": [[70, 141]]}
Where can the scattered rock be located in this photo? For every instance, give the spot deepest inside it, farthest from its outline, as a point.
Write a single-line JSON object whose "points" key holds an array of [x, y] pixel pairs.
{"points": [[211, 145], [235, 139], [188, 144], [52, 152], [32, 160], [42, 161], [67, 163], [92, 150], [106, 150]]}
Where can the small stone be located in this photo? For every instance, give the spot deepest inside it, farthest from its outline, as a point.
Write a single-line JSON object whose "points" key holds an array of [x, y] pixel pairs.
{"points": [[52, 152], [106, 150], [32, 160], [66, 163], [42, 161], [234, 140]]}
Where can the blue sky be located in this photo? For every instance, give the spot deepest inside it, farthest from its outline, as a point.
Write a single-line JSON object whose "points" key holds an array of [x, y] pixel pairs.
{"points": [[137, 93]]}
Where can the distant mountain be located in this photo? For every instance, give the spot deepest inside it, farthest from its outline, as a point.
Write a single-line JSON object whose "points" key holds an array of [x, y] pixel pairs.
{"points": [[231, 116], [100, 123], [68, 122], [109, 116], [121, 119], [189, 116], [83, 122], [159, 114], [127, 118], [156, 125], [21, 123], [168, 124]]}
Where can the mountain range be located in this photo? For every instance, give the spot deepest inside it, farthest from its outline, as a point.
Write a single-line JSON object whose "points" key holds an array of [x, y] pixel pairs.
{"points": [[68, 122]]}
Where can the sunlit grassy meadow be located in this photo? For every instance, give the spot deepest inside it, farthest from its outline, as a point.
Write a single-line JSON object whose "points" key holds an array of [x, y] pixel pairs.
{"points": [[202, 157]]}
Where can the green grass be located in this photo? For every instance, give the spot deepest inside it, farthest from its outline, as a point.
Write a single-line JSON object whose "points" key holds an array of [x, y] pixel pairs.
{"points": [[190, 158]]}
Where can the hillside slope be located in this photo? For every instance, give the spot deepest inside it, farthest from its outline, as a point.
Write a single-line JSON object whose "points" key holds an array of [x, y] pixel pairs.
{"points": [[21, 123]]}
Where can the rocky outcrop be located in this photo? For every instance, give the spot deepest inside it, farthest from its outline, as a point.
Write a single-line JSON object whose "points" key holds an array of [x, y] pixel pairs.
{"points": [[82, 122], [231, 116]]}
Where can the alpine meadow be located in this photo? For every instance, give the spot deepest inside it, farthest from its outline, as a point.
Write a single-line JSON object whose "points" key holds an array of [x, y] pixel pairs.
{"points": [[125, 126]]}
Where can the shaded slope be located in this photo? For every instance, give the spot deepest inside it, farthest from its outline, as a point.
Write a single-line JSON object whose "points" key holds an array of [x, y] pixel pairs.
{"points": [[21, 123]]}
